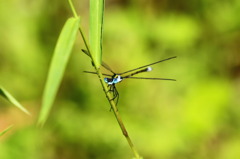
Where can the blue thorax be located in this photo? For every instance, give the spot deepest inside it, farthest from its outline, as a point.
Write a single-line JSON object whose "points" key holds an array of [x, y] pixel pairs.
{"points": [[115, 80]]}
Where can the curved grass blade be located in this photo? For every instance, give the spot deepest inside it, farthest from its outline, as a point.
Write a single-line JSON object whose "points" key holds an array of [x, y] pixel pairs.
{"points": [[12, 100], [96, 29], [6, 130], [58, 64]]}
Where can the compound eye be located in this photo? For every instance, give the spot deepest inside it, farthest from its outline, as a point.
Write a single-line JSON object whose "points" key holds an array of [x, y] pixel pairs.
{"points": [[107, 80]]}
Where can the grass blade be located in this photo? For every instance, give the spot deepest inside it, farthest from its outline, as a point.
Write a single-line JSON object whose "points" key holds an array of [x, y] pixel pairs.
{"points": [[6, 130], [5, 94], [58, 64], [96, 29]]}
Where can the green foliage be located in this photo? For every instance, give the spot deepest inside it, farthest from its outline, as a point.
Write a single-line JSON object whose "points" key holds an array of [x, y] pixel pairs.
{"points": [[196, 117], [58, 65], [6, 130], [12, 100], [96, 29]]}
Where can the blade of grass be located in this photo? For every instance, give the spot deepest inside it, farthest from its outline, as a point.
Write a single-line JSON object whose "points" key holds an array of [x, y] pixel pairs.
{"points": [[96, 29], [6, 130], [5, 94], [58, 64]]}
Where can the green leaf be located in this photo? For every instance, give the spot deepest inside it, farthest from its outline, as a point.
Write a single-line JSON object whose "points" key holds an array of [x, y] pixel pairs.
{"points": [[6, 130], [96, 29], [12, 100], [58, 65]]}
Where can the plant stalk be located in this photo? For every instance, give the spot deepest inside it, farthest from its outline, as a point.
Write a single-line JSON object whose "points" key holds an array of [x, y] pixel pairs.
{"points": [[105, 89]]}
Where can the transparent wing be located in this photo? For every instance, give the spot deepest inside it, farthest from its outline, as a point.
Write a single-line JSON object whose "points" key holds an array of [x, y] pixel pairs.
{"points": [[96, 73], [107, 67], [103, 63]]}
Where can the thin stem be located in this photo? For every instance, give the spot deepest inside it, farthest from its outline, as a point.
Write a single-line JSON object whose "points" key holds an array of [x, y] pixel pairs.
{"points": [[118, 117], [72, 8], [105, 89]]}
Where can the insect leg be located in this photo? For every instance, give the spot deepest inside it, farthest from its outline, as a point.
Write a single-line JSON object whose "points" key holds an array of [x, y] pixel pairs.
{"points": [[116, 95]]}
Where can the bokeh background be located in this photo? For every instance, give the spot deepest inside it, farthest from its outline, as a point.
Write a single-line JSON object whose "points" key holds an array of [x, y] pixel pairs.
{"points": [[197, 117]]}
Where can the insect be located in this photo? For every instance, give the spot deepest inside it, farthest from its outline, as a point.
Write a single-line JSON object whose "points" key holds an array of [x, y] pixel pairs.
{"points": [[116, 78]]}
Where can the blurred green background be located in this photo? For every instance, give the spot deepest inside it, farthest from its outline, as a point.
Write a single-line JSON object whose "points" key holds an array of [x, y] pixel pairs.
{"points": [[197, 117]]}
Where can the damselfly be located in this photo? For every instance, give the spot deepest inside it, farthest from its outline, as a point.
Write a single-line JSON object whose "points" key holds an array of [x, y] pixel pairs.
{"points": [[115, 78]]}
